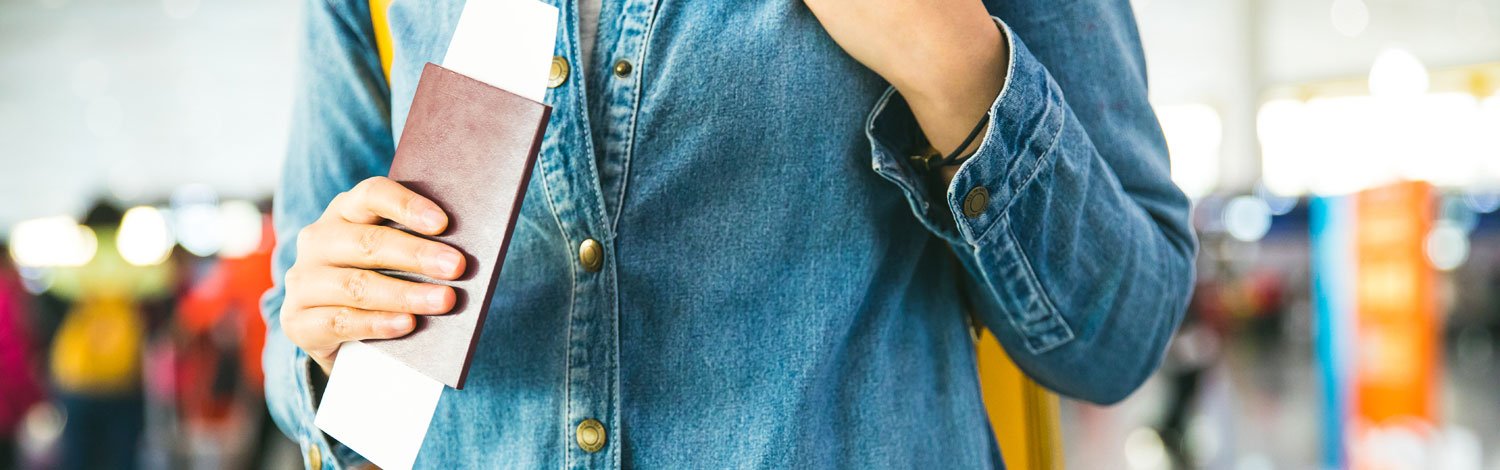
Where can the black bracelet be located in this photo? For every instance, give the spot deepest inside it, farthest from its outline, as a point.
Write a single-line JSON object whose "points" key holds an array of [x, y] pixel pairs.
{"points": [[933, 159]]}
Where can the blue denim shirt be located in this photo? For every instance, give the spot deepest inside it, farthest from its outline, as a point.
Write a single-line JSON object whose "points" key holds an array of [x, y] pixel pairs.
{"points": [[781, 287]]}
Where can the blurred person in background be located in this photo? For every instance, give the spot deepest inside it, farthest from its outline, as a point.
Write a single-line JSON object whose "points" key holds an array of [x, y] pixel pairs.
{"points": [[1195, 349], [221, 335], [97, 352], [19, 387], [1228, 301]]}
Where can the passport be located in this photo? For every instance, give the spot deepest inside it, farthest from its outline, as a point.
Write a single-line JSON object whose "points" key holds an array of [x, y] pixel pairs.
{"points": [[469, 147]]}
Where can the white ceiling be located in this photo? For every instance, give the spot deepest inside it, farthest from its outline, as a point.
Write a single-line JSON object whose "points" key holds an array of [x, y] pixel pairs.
{"points": [[116, 97]]}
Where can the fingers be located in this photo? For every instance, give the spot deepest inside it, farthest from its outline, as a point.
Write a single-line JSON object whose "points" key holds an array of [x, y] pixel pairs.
{"points": [[380, 198], [332, 326], [332, 296], [323, 286], [379, 247]]}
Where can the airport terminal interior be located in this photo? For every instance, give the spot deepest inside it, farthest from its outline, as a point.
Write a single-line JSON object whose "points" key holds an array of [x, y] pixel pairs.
{"points": [[1342, 157]]}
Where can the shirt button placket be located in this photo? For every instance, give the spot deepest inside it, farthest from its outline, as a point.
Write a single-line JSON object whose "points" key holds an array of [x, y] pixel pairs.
{"points": [[594, 371]]}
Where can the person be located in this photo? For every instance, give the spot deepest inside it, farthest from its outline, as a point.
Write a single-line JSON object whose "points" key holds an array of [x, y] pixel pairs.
{"points": [[220, 377], [21, 388], [96, 356], [727, 255]]}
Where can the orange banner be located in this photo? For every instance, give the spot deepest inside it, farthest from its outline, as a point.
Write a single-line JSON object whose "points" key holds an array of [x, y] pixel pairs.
{"points": [[1396, 361]]}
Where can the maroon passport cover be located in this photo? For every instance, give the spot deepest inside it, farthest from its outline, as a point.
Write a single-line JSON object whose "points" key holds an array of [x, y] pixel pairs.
{"points": [[469, 147]]}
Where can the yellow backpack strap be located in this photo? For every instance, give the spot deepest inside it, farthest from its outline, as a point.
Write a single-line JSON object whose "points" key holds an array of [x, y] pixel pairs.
{"points": [[382, 29], [1022, 413]]}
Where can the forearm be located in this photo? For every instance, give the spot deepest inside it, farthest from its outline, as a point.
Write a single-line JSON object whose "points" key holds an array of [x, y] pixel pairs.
{"points": [[956, 90]]}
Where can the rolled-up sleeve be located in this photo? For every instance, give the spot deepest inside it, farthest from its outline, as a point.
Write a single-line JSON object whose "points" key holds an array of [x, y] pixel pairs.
{"points": [[1076, 244], [341, 134]]}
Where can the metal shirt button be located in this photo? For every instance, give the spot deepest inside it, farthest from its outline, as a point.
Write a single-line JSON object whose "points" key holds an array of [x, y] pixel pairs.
{"points": [[591, 435], [591, 255], [622, 68], [559, 72], [314, 458], [976, 200]]}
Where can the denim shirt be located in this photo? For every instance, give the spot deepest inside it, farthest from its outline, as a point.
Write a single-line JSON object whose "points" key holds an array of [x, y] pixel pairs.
{"points": [[781, 286]]}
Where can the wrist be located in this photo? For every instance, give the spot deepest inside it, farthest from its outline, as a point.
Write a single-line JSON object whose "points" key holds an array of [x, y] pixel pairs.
{"points": [[947, 110], [964, 78]]}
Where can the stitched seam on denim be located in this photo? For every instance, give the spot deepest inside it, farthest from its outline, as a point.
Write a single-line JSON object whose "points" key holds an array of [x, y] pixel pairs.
{"points": [[1010, 44], [579, 100], [1041, 161], [635, 105], [880, 106], [592, 186], [1019, 305], [1015, 192], [612, 287], [1032, 142], [614, 361], [1051, 314], [1010, 73], [1006, 301], [573, 279], [579, 96]]}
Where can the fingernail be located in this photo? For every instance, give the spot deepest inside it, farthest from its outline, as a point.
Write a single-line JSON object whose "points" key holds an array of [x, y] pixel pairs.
{"points": [[400, 324], [447, 262], [435, 297], [416, 299], [433, 218], [443, 262]]}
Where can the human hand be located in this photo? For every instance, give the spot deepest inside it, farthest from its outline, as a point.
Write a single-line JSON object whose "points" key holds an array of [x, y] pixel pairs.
{"points": [[332, 293]]}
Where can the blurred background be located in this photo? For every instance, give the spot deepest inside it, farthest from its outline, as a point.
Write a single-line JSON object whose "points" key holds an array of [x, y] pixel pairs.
{"points": [[1343, 157]]}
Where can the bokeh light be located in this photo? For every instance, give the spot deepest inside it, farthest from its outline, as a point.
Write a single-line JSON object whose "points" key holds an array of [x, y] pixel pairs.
{"points": [[1194, 133], [1447, 246], [1350, 17], [1397, 73], [240, 228], [143, 239], [1144, 450], [195, 219], [1483, 202], [52, 242], [1247, 218]]}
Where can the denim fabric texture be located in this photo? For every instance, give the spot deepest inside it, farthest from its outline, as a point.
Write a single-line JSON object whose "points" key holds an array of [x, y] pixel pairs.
{"points": [[781, 287]]}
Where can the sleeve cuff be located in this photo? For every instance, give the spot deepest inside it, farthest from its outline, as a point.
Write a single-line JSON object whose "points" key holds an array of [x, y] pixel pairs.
{"points": [[1025, 120]]}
